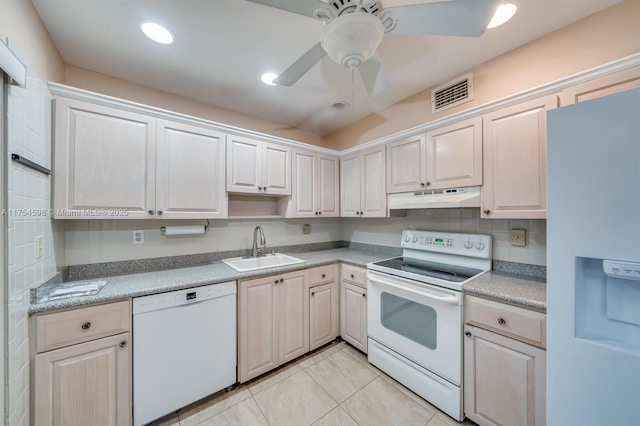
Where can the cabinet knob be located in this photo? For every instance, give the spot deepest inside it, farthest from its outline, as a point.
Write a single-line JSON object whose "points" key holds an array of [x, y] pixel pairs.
{"points": [[319, 212], [276, 281], [316, 213], [86, 325], [422, 184], [259, 188], [467, 333], [501, 321], [352, 276], [313, 293], [487, 211], [159, 212], [123, 344], [324, 276], [281, 280], [428, 183], [151, 212], [364, 294]]}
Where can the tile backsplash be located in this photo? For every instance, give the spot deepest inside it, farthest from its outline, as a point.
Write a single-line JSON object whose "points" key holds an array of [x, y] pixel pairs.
{"points": [[94, 241]]}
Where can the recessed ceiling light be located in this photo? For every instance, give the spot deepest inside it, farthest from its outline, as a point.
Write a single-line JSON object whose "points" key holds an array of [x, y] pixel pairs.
{"points": [[267, 78], [504, 12], [157, 33], [339, 106]]}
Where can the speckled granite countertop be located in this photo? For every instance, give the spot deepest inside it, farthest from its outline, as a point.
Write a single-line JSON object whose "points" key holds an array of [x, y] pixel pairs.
{"points": [[518, 290], [122, 287]]}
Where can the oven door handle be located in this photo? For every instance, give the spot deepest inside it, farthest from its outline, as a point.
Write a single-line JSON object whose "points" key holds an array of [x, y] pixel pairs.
{"points": [[451, 300]]}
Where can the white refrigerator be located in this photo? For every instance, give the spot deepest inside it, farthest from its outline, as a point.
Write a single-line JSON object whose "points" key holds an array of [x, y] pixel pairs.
{"points": [[593, 261]]}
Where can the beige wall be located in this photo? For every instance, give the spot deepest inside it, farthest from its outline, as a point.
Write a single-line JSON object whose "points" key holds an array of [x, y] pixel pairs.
{"points": [[20, 22], [611, 34], [112, 86]]}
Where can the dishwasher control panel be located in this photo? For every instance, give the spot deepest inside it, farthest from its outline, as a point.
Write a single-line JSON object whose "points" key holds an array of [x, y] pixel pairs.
{"points": [[159, 301]]}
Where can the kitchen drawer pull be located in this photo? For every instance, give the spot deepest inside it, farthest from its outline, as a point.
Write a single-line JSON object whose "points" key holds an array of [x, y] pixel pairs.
{"points": [[467, 333], [324, 275], [86, 325], [501, 321], [123, 344], [487, 211]]}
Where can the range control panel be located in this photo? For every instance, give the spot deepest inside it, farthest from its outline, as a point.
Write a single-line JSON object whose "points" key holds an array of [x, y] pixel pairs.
{"points": [[474, 245]]}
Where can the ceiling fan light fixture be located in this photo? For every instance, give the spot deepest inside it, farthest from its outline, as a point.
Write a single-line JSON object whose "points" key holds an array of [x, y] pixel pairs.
{"points": [[503, 13], [352, 38], [157, 33], [268, 77]]}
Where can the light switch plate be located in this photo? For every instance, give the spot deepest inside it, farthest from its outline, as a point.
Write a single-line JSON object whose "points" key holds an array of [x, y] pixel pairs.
{"points": [[518, 237], [39, 246], [306, 228]]}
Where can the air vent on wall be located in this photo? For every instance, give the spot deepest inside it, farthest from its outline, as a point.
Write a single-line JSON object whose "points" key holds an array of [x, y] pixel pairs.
{"points": [[453, 93]]}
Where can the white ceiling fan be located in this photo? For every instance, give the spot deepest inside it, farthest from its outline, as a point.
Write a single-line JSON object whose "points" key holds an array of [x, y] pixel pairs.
{"points": [[354, 29]]}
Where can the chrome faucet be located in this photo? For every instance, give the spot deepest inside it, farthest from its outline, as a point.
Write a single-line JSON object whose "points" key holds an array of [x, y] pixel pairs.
{"points": [[258, 251]]}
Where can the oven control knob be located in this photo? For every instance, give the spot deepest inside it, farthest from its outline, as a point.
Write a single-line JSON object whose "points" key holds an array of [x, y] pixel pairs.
{"points": [[480, 245], [468, 244], [415, 239], [406, 239]]}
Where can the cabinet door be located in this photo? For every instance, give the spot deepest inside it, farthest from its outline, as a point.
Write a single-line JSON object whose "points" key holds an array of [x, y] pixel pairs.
{"points": [[618, 82], [406, 164], [350, 175], [84, 384], [294, 316], [454, 155], [104, 159], [515, 171], [244, 165], [353, 310], [504, 380], [304, 177], [276, 169], [328, 198], [190, 172], [323, 314], [373, 198], [258, 327]]}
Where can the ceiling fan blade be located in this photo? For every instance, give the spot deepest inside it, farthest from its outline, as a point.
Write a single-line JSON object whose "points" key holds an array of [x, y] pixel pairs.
{"points": [[301, 7], [467, 18], [373, 75], [300, 67]]}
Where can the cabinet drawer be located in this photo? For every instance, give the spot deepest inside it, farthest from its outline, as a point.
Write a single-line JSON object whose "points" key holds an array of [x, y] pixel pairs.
{"points": [[322, 274], [81, 325], [355, 275], [519, 323]]}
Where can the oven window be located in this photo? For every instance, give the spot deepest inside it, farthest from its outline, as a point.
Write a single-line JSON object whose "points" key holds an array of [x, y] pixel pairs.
{"points": [[409, 319]]}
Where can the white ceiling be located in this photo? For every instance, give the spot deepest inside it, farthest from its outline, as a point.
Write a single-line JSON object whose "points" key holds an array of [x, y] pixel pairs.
{"points": [[223, 46]]}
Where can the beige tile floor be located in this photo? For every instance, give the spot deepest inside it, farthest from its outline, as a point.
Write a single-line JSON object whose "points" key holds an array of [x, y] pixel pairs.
{"points": [[332, 386]]}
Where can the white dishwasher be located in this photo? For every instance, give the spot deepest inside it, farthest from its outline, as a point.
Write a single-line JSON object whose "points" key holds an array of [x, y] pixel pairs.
{"points": [[184, 348]]}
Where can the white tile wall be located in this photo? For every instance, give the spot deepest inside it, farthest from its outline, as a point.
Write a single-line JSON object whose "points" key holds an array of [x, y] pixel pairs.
{"points": [[93, 241], [28, 202]]}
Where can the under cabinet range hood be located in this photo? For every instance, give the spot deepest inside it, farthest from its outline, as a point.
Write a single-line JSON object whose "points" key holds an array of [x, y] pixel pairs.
{"points": [[436, 199]]}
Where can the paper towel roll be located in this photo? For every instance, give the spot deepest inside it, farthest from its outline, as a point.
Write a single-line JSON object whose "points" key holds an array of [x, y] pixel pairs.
{"points": [[184, 230]]}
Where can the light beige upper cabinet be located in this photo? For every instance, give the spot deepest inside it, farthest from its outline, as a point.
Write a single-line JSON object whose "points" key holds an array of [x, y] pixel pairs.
{"points": [[514, 153], [362, 184], [258, 167], [504, 364], [82, 367], [273, 322], [104, 159], [614, 83], [447, 157], [114, 164], [323, 305], [353, 306], [315, 185], [190, 172]]}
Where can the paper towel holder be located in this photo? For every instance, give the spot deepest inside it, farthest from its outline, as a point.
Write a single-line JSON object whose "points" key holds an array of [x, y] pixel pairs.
{"points": [[185, 230]]}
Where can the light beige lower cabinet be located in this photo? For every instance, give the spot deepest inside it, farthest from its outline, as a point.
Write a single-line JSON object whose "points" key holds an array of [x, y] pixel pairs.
{"points": [[273, 322], [353, 306], [504, 377], [323, 305], [81, 371]]}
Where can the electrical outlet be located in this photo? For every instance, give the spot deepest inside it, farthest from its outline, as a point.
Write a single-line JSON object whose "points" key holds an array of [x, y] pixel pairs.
{"points": [[518, 237], [39, 246], [306, 228], [138, 237]]}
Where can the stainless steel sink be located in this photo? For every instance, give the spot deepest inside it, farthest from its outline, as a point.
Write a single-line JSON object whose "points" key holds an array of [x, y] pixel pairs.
{"points": [[244, 264]]}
